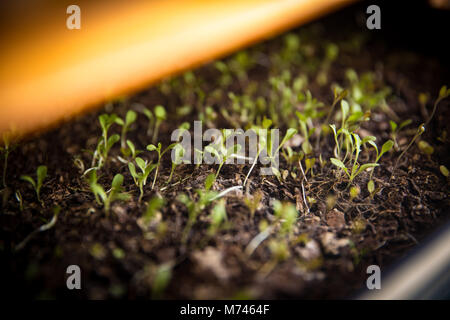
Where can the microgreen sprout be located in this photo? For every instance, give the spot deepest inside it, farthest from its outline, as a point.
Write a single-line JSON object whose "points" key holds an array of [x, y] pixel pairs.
{"points": [[160, 115], [152, 147], [195, 207], [105, 143], [356, 168], [130, 118], [140, 178], [41, 174], [218, 149], [253, 202], [106, 198], [218, 216], [56, 210], [443, 93], [396, 128], [420, 130]]}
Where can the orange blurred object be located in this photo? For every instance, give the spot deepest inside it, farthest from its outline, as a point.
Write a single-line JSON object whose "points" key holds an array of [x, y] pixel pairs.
{"points": [[49, 73]]}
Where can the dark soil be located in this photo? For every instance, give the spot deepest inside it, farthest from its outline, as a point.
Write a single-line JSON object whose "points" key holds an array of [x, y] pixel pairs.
{"points": [[330, 248]]}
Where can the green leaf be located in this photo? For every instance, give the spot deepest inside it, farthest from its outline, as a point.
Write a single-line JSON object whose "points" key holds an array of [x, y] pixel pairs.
{"points": [[132, 147], [366, 166], [112, 140], [160, 112], [393, 125], [151, 147], [386, 147], [141, 163], [41, 174], [117, 181], [209, 181], [132, 169], [130, 117], [266, 123], [338, 163], [28, 179], [371, 186]]}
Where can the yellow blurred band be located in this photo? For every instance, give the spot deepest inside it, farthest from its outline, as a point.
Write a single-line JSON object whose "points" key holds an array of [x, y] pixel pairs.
{"points": [[49, 73]]}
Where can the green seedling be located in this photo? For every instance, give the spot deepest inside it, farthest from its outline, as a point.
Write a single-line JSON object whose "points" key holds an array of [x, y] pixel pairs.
{"points": [[287, 214], [356, 168], [253, 202], [161, 279], [160, 115], [338, 96], [130, 118], [271, 154], [419, 132], [218, 150], [218, 216], [179, 151], [153, 209], [41, 174], [443, 94], [107, 198], [140, 178], [262, 144], [396, 128], [105, 143], [387, 146], [205, 197], [152, 147], [151, 120], [56, 210]]}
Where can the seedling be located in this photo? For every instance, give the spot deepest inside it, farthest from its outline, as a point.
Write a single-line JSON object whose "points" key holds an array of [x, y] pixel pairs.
{"points": [[179, 151], [41, 174], [161, 279], [443, 93], [105, 144], [130, 118], [160, 115], [356, 168], [140, 178], [152, 147], [218, 216], [420, 130], [45, 227], [272, 154], [253, 202], [287, 214], [219, 150], [151, 120], [194, 208], [107, 198], [396, 128]]}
